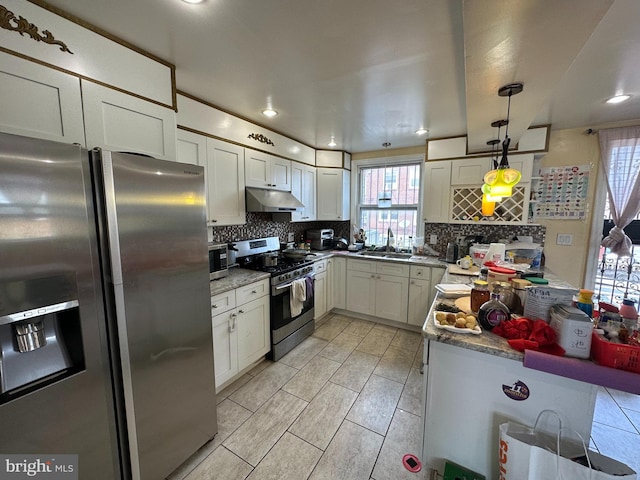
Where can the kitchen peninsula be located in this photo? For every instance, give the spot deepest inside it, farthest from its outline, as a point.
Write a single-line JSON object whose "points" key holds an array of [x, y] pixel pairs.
{"points": [[473, 383]]}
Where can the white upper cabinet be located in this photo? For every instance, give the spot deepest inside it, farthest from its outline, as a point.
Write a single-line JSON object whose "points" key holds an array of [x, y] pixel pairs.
{"points": [[121, 122], [224, 172], [470, 171], [267, 171], [437, 188], [333, 159], [303, 187], [39, 102], [192, 148], [333, 194]]}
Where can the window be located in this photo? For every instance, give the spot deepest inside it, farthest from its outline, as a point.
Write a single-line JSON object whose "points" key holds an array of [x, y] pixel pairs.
{"points": [[399, 181], [618, 277]]}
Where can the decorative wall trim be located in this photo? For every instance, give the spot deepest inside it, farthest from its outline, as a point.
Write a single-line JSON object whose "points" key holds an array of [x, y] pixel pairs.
{"points": [[8, 21], [261, 138]]}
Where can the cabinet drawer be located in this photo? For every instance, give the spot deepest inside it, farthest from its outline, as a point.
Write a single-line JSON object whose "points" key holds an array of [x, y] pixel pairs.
{"points": [[361, 265], [420, 273], [395, 269], [252, 291], [222, 302], [320, 266]]}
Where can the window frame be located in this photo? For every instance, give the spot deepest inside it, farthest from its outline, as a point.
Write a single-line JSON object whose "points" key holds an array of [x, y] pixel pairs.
{"points": [[359, 165]]}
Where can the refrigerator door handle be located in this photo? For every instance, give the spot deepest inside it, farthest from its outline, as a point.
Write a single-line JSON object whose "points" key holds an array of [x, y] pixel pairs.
{"points": [[112, 218]]}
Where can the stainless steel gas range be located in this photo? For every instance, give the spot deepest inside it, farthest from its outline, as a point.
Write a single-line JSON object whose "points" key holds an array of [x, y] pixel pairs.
{"points": [[287, 329]]}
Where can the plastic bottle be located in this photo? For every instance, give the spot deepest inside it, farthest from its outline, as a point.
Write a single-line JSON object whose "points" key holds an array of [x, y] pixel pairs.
{"points": [[492, 313], [584, 301], [629, 313]]}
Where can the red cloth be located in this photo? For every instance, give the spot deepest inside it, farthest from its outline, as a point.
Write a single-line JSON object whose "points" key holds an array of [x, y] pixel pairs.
{"points": [[525, 334]]}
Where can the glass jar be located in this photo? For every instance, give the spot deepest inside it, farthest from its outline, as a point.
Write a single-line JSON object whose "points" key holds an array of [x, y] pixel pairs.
{"points": [[492, 313], [479, 294], [519, 294], [504, 292]]}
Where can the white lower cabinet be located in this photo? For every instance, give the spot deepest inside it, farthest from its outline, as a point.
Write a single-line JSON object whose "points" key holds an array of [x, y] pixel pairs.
{"points": [[320, 293], [339, 282], [241, 332], [380, 289]]}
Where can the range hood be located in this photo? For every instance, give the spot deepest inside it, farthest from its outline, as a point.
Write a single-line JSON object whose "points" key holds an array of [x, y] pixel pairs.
{"points": [[260, 200]]}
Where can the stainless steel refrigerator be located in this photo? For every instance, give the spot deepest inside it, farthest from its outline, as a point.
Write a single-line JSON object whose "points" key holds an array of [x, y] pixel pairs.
{"points": [[105, 326]]}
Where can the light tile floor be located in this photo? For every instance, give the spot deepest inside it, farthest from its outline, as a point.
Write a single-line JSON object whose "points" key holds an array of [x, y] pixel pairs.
{"points": [[345, 404]]}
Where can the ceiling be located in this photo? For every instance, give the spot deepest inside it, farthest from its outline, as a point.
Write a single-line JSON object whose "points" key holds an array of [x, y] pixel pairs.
{"points": [[371, 71]]}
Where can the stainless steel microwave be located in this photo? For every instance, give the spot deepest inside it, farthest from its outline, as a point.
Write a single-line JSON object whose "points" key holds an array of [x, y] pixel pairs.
{"points": [[218, 266]]}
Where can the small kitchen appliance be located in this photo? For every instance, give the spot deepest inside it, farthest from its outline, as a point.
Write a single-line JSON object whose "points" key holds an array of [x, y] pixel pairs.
{"points": [[321, 238], [218, 260], [452, 252]]}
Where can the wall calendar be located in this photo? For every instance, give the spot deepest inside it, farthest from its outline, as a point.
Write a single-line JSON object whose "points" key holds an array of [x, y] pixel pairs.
{"points": [[561, 193]]}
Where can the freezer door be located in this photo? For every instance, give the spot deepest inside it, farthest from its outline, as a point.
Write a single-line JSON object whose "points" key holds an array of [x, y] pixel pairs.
{"points": [[155, 216], [48, 271]]}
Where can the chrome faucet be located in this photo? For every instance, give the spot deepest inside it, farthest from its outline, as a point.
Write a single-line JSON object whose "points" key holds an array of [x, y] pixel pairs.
{"points": [[389, 237]]}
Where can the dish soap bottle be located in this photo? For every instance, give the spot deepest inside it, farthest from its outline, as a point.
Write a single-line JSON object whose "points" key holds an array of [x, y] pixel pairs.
{"points": [[493, 312], [584, 301]]}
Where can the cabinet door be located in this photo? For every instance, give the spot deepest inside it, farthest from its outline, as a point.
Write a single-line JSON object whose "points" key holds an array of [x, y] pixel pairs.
{"points": [[339, 273], [225, 183], [257, 167], [303, 187], [280, 174], [330, 300], [191, 148], [254, 336], [361, 292], [419, 301], [333, 204], [391, 296], [121, 122], [470, 171], [437, 188], [39, 102], [320, 295], [309, 193], [225, 346], [524, 164]]}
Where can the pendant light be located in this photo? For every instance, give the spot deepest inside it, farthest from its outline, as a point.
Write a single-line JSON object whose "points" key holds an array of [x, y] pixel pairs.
{"points": [[384, 197], [502, 179]]}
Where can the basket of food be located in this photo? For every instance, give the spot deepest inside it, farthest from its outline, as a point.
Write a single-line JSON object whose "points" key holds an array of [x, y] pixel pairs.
{"points": [[615, 355]]}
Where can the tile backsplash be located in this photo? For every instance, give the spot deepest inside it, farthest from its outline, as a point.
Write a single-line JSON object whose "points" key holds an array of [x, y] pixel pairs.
{"points": [[447, 232], [261, 225]]}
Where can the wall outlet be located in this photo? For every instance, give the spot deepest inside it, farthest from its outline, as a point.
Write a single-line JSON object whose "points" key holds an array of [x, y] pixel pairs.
{"points": [[433, 239], [291, 237], [564, 239], [460, 240]]}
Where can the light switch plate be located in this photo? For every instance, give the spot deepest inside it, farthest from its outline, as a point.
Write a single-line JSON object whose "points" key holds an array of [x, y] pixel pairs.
{"points": [[564, 239]]}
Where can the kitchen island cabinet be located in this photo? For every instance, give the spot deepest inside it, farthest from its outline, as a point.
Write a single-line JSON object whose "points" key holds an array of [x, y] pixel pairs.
{"points": [[473, 383]]}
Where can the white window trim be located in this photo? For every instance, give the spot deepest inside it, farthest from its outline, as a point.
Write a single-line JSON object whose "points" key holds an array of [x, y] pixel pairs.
{"points": [[356, 165]]}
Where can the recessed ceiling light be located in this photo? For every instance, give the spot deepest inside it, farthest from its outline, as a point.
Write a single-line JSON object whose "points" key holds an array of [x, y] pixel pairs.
{"points": [[619, 98], [194, 2], [422, 131], [269, 112]]}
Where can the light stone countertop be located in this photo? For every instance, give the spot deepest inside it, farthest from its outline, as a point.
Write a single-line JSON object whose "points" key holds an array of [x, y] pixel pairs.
{"points": [[413, 260], [486, 342], [238, 277]]}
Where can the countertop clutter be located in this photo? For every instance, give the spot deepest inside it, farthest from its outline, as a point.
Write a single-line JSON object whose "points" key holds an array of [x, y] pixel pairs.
{"points": [[490, 343]]}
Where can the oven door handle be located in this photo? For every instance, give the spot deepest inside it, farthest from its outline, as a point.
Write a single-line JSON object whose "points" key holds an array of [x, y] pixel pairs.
{"points": [[282, 287]]}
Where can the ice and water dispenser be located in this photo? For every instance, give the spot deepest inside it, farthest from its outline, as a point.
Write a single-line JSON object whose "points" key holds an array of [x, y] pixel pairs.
{"points": [[40, 334]]}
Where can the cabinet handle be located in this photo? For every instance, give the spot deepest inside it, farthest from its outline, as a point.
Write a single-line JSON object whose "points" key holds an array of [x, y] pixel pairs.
{"points": [[214, 221], [412, 282], [253, 292], [215, 305], [373, 276], [240, 311], [378, 277], [232, 327], [339, 217]]}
